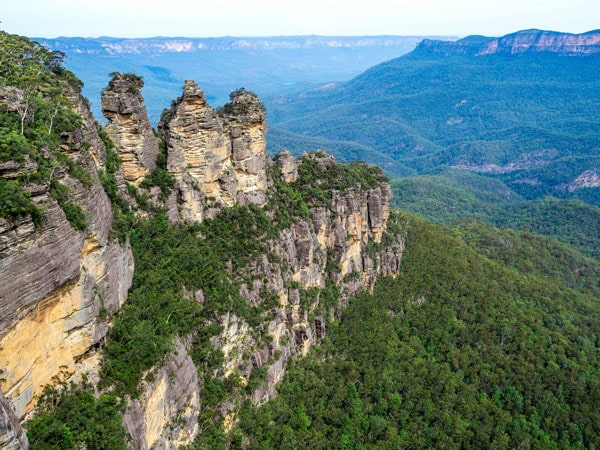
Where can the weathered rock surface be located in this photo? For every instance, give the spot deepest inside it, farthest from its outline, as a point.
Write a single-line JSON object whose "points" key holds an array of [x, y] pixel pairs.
{"points": [[55, 279], [217, 159], [588, 179], [12, 436], [519, 42], [129, 128], [166, 414], [64, 285], [337, 236], [286, 163]]}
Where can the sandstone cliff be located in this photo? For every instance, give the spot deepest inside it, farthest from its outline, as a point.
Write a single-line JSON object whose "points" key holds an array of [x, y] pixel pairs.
{"points": [[310, 267], [217, 159], [166, 414], [66, 281], [519, 42], [326, 253], [12, 436], [56, 279]]}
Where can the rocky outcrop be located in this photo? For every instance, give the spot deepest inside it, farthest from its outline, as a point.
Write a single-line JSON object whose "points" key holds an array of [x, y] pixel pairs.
{"points": [[59, 285], [128, 126], [64, 285], [12, 436], [515, 43], [166, 414], [588, 179], [286, 163], [331, 248], [217, 159]]}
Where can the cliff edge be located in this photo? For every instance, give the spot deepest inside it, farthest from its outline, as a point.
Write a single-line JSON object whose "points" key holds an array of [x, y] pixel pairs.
{"points": [[517, 43]]}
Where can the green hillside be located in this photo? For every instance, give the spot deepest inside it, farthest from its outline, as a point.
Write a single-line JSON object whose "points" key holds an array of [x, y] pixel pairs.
{"points": [[457, 195], [487, 338], [461, 351], [530, 120]]}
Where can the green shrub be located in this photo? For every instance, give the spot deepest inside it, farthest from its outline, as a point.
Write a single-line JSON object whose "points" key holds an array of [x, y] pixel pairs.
{"points": [[69, 416], [15, 202]]}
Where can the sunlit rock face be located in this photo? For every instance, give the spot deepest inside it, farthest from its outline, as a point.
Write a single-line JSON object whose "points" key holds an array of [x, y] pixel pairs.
{"points": [[12, 436], [129, 128], [329, 246], [59, 286], [218, 159], [165, 416]]}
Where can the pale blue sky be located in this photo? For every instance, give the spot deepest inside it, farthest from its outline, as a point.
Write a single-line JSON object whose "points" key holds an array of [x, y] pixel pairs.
{"points": [[201, 18]]}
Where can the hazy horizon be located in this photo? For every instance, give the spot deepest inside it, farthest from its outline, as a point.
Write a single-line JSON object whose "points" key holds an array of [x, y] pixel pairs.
{"points": [[267, 18]]}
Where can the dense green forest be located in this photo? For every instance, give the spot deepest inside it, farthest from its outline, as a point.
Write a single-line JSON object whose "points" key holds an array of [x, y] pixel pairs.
{"points": [[467, 348], [529, 120], [487, 338], [457, 195]]}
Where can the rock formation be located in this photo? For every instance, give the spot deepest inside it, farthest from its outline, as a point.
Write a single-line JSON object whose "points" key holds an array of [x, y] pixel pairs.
{"points": [[128, 127], [166, 414], [55, 279], [12, 436], [63, 285], [286, 163], [519, 42], [217, 159], [331, 246]]}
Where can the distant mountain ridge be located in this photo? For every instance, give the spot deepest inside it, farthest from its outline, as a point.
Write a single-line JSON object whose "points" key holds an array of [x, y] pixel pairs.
{"points": [[266, 65], [521, 108], [520, 42], [116, 46]]}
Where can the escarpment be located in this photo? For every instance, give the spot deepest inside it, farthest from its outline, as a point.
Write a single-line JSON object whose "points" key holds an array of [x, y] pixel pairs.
{"points": [[306, 261], [517, 43], [277, 248], [328, 238], [63, 274], [320, 260]]}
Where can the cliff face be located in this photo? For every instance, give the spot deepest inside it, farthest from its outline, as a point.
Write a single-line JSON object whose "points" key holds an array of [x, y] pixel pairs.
{"points": [[217, 159], [311, 268], [166, 415], [12, 436], [64, 282], [56, 279], [129, 128], [519, 42], [330, 248]]}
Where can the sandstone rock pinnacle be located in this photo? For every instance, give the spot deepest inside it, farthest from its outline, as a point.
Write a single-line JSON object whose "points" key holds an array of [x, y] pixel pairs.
{"points": [[217, 158], [128, 127]]}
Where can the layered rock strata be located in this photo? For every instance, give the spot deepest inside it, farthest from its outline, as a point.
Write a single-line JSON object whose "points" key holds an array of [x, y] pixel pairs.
{"points": [[166, 414], [12, 436], [129, 128], [329, 248], [519, 42], [217, 158], [75, 281], [332, 246], [59, 285]]}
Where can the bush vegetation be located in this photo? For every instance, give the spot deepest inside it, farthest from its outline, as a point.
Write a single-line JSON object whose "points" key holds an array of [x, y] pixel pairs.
{"points": [[458, 351], [37, 93]]}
